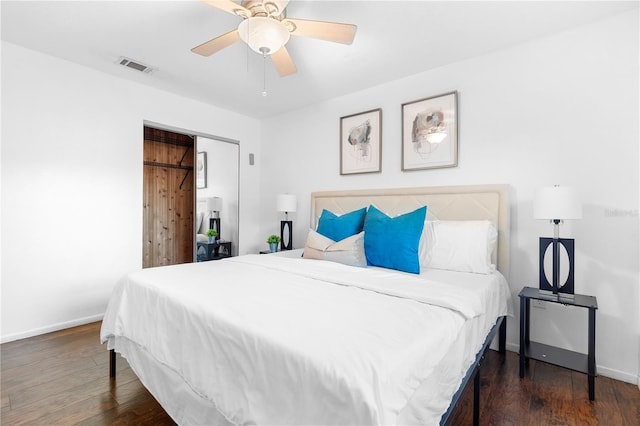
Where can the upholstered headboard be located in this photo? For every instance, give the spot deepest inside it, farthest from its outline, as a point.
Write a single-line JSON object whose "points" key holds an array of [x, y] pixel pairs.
{"points": [[471, 202]]}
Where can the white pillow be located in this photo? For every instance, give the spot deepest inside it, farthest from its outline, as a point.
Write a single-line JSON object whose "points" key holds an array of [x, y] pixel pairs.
{"points": [[349, 251], [464, 246], [199, 221]]}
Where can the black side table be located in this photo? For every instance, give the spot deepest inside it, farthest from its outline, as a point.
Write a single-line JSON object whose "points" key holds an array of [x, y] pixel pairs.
{"points": [[550, 354], [212, 251], [269, 251]]}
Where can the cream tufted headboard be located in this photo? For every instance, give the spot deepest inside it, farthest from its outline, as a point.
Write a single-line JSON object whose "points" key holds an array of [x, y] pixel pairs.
{"points": [[471, 202]]}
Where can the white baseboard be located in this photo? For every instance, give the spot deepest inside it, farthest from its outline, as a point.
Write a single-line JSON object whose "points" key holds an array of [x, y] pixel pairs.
{"points": [[617, 374], [50, 328], [513, 347], [602, 370]]}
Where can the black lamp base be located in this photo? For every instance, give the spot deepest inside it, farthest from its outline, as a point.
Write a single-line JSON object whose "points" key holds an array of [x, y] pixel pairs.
{"points": [[288, 244], [214, 223], [565, 289]]}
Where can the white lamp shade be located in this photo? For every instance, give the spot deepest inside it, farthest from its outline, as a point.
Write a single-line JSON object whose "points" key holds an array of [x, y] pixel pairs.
{"points": [[214, 204], [261, 32], [286, 203], [556, 202]]}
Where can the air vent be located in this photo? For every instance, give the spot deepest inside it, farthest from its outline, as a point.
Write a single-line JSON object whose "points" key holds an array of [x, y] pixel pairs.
{"points": [[130, 63]]}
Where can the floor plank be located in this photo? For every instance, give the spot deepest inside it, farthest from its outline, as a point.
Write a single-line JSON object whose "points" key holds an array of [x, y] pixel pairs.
{"points": [[627, 400], [553, 396], [62, 378], [509, 400]]}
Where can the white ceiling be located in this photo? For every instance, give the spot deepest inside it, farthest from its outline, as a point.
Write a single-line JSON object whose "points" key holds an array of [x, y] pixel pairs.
{"points": [[394, 39]]}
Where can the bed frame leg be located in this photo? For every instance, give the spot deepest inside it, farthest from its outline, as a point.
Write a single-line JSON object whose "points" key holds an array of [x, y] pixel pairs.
{"points": [[474, 371], [112, 363], [476, 398]]}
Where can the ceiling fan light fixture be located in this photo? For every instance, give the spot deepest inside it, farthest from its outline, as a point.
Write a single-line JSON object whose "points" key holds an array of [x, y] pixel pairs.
{"points": [[263, 35], [275, 7], [241, 13]]}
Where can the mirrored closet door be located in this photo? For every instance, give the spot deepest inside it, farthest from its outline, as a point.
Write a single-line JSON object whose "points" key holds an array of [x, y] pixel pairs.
{"points": [[216, 180]]}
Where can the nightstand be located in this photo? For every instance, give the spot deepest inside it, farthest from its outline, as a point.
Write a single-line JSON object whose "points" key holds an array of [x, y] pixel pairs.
{"points": [[583, 363], [213, 251], [269, 251]]}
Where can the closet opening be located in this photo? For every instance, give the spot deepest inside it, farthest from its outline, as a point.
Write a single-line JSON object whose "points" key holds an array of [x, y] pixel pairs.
{"points": [[168, 194], [184, 172]]}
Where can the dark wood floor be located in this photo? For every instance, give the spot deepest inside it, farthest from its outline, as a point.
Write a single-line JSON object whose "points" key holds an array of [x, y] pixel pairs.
{"points": [[62, 378]]}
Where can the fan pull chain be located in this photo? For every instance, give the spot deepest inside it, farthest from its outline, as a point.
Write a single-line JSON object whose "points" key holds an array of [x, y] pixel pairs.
{"points": [[264, 70], [247, 44]]}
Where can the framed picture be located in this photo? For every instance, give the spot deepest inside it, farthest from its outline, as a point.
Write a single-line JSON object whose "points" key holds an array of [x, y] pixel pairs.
{"points": [[430, 132], [201, 170], [361, 142]]}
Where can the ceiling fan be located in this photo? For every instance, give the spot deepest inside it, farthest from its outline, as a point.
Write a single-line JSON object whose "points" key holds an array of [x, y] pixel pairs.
{"points": [[266, 29]]}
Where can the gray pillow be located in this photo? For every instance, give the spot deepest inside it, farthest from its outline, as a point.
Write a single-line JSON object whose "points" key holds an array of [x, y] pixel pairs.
{"points": [[349, 251]]}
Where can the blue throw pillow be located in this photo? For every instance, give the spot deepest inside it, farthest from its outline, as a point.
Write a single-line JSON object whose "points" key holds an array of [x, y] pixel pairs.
{"points": [[393, 242], [338, 228]]}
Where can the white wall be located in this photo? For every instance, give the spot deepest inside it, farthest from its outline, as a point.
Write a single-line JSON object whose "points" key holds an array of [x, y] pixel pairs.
{"points": [[561, 110], [72, 184]]}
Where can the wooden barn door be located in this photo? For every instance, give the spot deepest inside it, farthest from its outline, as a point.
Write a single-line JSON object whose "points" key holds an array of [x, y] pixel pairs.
{"points": [[168, 198]]}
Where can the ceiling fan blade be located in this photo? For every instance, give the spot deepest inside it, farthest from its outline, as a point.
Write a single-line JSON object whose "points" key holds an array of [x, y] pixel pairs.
{"points": [[212, 46], [283, 62], [329, 31], [229, 6]]}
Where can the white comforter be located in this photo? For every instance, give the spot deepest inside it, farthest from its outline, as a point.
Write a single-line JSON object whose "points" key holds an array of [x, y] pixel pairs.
{"points": [[272, 340]]}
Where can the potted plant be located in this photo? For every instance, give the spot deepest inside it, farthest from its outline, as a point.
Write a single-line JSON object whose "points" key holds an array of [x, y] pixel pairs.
{"points": [[273, 241], [212, 234]]}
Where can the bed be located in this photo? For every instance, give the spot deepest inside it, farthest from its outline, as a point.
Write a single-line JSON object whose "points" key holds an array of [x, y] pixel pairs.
{"points": [[283, 339]]}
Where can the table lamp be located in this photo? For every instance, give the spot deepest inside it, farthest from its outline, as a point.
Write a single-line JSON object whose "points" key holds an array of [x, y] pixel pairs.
{"points": [[286, 203], [557, 204], [214, 205]]}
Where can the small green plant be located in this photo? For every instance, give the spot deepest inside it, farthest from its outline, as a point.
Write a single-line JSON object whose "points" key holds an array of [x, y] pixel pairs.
{"points": [[212, 233], [273, 239]]}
